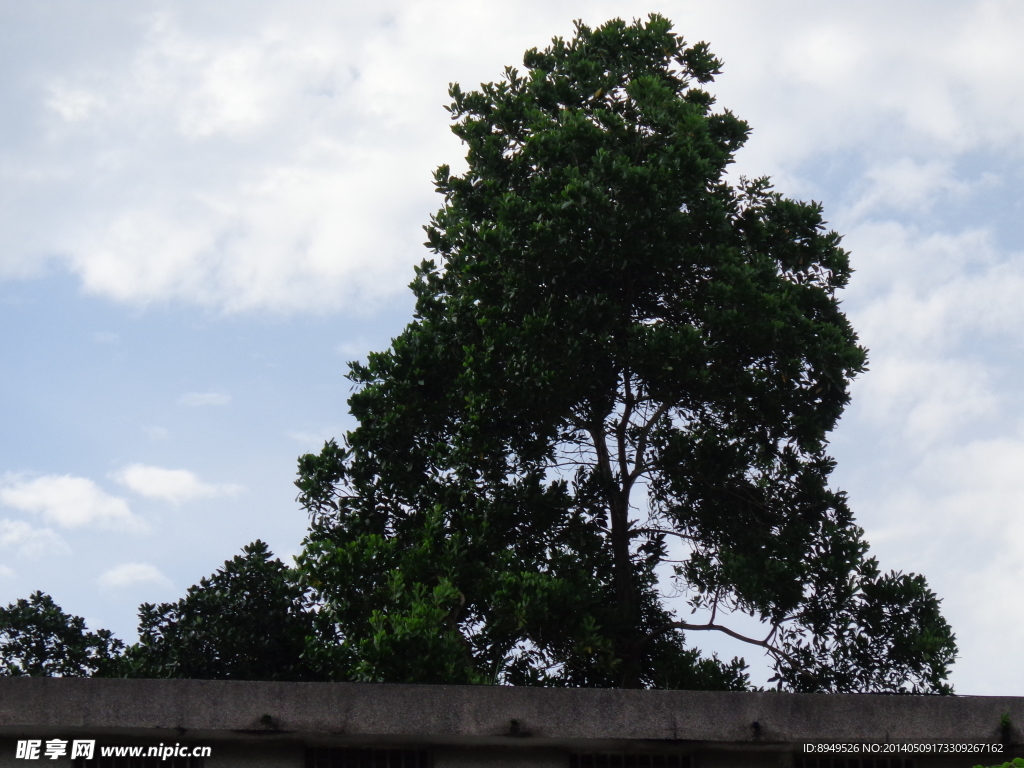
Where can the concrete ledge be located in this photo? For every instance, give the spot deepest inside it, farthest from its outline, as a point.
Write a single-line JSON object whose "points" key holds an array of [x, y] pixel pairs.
{"points": [[350, 713]]}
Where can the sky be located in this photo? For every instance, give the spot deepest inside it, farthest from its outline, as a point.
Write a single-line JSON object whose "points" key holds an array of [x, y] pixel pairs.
{"points": [[207, 209]]}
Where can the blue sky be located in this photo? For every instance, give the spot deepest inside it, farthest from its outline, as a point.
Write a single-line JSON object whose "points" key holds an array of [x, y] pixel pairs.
{"points": [[207, 209]]}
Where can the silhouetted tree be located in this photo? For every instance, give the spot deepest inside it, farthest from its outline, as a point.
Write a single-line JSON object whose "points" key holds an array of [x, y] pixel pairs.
{"points": [[624, 366]]}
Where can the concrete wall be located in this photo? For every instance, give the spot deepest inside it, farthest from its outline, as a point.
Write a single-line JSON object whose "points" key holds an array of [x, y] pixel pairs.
{"points": [[269, 725]]}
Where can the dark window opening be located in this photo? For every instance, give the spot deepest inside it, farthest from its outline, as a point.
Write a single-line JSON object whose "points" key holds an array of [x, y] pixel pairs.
{"points": [[137, 761], [367, 758], [852, 762], [628, 760]]}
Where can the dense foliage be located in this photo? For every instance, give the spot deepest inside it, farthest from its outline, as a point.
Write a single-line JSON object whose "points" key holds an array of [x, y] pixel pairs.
{"points": [[621, 370], [247, 621], [37, 638]]}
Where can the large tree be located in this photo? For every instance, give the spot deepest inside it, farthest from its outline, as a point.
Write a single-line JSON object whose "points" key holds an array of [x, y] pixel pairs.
{"points": [[621, 372]]}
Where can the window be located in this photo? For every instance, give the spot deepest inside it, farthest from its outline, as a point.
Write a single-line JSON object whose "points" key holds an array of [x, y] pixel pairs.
{"points": [[851, 762], [137, 761], [367, 758], [628, 760]]}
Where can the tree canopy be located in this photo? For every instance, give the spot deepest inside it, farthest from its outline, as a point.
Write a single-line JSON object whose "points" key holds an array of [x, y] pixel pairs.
{"points": [[621, 374], [37, 638], [249, 620]]}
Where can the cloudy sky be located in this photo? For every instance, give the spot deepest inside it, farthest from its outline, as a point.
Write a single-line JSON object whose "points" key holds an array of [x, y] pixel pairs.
{"points": [[206, 209]]}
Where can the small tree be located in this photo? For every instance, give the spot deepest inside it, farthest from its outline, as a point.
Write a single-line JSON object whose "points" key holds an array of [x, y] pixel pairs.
{"points": [[37, 638], [623, 369], [248, 621]]}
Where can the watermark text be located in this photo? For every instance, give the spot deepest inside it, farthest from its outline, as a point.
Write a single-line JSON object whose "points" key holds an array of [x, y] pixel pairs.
{"points": [[43, 749]]}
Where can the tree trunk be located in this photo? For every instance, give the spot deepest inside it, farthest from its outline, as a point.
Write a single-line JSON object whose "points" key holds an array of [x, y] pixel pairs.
{"points": [[628, 643], [625, 592]]}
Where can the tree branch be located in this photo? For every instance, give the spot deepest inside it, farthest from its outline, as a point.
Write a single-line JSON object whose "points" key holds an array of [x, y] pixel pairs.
{"points": [[666, 532], [779, 653], [641, 444], [620, 435]]}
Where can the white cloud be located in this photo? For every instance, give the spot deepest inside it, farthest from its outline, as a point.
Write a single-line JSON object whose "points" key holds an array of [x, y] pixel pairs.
{"points": [[129, 574], [958, 517], [931, 450], [70, 502], [917, 291], [106, 337], [295, 175], [199, 399], [908, 184], [918, 401], [71, 103], [873, 76], [313, 439], [6, 573], [284, 161], [157, 433], [823, 55], [29, 541], [174, 485]]}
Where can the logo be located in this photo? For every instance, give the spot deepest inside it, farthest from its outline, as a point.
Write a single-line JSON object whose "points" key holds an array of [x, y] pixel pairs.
{"points": [[35, 749]]}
